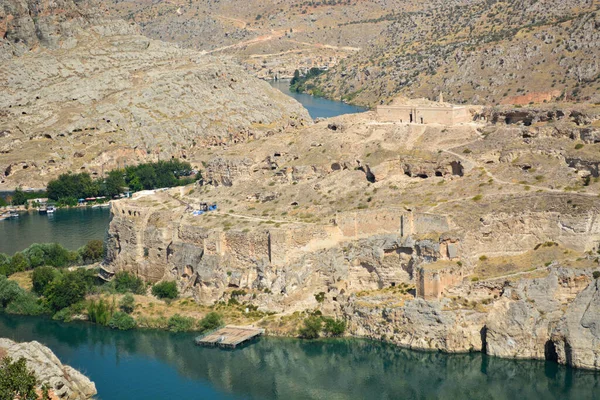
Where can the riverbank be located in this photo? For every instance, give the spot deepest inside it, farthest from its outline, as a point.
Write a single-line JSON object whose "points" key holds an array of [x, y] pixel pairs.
{"points": [[157, 364], [318, 107]]}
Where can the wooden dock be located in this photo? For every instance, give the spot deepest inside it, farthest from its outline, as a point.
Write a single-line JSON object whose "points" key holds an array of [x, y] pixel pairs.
{"points": [[230, 336]]}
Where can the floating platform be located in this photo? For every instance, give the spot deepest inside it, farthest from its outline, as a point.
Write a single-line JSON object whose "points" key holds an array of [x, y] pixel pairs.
{"points": [[230, 336]]}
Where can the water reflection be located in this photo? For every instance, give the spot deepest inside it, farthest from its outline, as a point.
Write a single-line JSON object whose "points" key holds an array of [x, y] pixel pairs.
{"points": [[152, 364]]}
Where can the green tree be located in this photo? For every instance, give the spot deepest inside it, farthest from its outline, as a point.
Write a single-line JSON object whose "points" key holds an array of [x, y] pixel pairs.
{"points": [[122, 321], [311, 328], [211, 321], [165, 290], [178, 323], [19, 263], [99, 312], [16, 381], [25, 304], [19, 198], [92, 252], [127, 304], [42, 277], [114, 183], [295, 78], [9, 291], [127, 282], [5, 267], [334, 327], [67, 290]]}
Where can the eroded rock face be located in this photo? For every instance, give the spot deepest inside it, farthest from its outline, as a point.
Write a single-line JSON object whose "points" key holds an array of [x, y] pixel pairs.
{"points": [[577, 337], [521, 322], [65, 382], [416, 324], [553, 318]]}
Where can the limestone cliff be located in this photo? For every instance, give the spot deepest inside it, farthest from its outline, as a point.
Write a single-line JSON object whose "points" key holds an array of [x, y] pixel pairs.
{"points": [[63, 381], [427, 235]]}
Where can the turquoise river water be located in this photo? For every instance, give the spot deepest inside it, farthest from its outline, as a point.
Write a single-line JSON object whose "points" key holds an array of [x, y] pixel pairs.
{"points": [[317, 107], [162, 365], [70, 227]]}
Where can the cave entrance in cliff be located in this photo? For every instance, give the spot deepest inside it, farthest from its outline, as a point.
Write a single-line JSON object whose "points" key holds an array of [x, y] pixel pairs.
{"points": [[550, 353]]}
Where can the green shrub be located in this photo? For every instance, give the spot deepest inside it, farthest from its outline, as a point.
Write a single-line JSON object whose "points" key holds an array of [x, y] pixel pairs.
{"points": [[334, 327], [5, 268], [92, 252], [127, 304], [128, 282], [596, 274], [19, 263], [25, 304], [122, 321], [65, 291], [9, 291], [178, 323], [320, 297], [165, 290], [99, 312], [211, 321], [312, 327], [66, 315], [41, 278], [579, 146], [16, 380]]}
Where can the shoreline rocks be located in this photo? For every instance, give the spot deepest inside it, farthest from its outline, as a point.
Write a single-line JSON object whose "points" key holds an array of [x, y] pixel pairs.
{"points": [[64, 381]]}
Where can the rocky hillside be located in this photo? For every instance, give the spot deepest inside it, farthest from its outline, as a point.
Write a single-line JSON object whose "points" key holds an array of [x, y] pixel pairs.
{"points": [[381, 223], [82, 93], [476, 51], [271, 39], [482, 52], [63, 381]]}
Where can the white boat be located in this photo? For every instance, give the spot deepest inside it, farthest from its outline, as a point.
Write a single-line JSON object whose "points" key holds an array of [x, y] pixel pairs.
{"points": [[51, 209]]}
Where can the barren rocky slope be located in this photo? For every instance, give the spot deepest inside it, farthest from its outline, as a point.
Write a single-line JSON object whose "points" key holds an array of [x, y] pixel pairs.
{"points": [[63, 381], [87, 94], [517, 51], [477, 220], [476, 51]]}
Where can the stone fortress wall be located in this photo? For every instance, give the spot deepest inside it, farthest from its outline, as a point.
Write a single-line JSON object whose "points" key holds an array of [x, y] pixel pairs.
{"points": [[363, 249]]}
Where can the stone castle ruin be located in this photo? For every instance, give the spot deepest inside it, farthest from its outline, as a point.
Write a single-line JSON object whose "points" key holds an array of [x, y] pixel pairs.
{"points": [[423, 112]]}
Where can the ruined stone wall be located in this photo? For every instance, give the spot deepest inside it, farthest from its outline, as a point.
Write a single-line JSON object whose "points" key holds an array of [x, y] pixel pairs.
{"points": [[370, 222], [518, 232], [431, 280], [424, 115]]}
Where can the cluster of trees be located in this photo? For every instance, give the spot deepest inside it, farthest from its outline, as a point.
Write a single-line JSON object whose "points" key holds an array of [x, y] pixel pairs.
{"points": [[70, 187], [315, 324], [52, 254], [62, 293], [299, 82], [19, 197]]}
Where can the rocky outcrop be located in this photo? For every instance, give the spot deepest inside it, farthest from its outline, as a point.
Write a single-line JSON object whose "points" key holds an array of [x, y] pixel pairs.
{"points": [[576, 340], [63, 381], [550, 318], [416, 324]]}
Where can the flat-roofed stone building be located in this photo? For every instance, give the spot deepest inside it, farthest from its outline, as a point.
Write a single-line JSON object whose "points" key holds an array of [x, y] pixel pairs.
{"points": [[423, 112]]}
